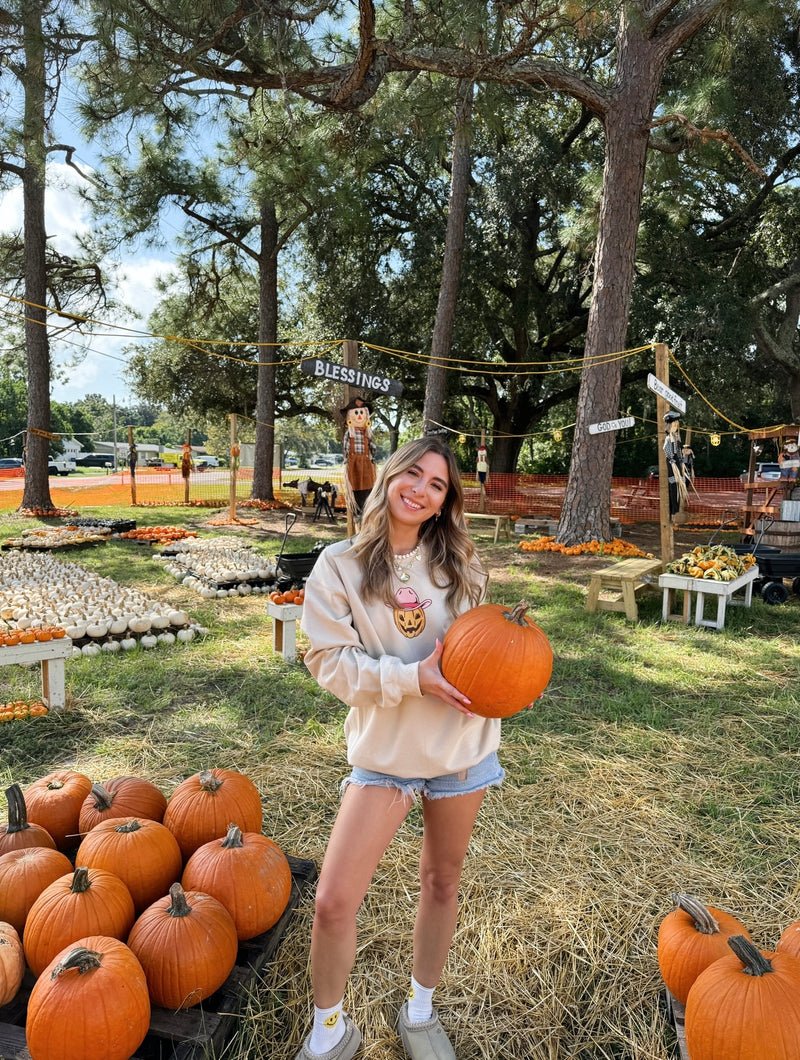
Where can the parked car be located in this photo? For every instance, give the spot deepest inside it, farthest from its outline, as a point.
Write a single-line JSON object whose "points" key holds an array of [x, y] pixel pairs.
{"points": [[94, 460], [8, 463], [59, 465], [768, 472]]}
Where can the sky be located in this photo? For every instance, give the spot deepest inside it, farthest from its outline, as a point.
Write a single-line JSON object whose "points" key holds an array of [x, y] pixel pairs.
{"points": [[101, 360]]}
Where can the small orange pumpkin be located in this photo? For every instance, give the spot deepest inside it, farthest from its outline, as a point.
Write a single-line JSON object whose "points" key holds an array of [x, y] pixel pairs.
{"points": [[203, 806], [12, 963], [86, 902], [19, 832], [121, 797], [745, 1004], [55, 801], [91, 1002], [24, 874], [248, 873], [498, 658], [143, 853], [187, 945], [690, 938]]}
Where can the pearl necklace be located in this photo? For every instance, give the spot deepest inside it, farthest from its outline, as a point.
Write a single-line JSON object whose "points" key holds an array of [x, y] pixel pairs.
{"points": [[403, 569]]}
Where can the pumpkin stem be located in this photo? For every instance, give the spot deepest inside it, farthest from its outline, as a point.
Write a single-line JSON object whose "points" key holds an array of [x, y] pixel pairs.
{"points": [[55, 784], [80, 880], [517, 615], [103, 799], [128, 826], [754, 961], [17, 810], [233, 838], [178, 906], [208, 782], [704, 922], [81, 958]]}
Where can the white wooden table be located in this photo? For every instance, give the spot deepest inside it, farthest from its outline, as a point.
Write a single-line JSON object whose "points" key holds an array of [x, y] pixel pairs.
{"points": [[51, 654], [704, 588], [284, 628], [500, 522]]}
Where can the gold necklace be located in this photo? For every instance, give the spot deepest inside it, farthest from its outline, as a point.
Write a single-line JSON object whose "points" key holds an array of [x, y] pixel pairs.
{"points": [[403, 564]]}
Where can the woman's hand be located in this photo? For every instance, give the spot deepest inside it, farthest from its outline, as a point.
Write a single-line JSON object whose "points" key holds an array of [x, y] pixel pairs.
{"points": [[432, 683]]}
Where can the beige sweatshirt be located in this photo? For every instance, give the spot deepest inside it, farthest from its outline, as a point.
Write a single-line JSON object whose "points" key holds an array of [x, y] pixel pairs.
{"points": [[368, 656]]}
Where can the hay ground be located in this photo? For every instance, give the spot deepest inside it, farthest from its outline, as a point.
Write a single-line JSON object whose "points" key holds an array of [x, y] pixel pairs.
{"points": [[661, 758]]}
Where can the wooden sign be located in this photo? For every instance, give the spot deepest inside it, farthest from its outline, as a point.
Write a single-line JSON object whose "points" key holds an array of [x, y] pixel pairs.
{"points": [[340, 373], [44, 434], [611, 425], [664, 391]]}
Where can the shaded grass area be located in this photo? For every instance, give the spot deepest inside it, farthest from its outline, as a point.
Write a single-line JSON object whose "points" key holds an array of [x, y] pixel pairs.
{"points": [[661, 758]]}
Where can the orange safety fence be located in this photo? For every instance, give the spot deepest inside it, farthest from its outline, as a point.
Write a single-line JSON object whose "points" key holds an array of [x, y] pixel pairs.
{"points": [[713, 501]]}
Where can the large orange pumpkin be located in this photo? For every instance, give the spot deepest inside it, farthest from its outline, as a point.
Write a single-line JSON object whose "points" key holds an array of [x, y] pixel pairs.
{"points": [[55, 801], [19, 832], [187, 945], [745, 1005], [85, 902], [203, 807], [248, 873], [498, 658], [690, 938], [90, 1003], [12, 963], [24, 874], [121, 797], [144, 854]]}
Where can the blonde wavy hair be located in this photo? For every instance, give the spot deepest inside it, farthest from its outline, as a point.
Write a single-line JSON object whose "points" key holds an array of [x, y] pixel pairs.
{"points": [[452, 560]]}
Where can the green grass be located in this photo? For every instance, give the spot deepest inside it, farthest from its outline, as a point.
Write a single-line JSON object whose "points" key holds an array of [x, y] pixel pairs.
{"points": [[661, 758]]}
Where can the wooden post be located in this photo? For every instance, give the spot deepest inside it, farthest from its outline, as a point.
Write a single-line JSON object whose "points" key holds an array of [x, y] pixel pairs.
{"points": [[186, 480], [662, 407], [483, 485], [234, 468], [350, 358], [130, 465]]}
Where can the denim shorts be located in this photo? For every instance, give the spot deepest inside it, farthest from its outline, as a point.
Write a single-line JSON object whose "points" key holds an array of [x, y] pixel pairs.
{"points": [[486, 774]]}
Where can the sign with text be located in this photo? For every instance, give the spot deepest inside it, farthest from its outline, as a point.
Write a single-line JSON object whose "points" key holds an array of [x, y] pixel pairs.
{"points": [[664, 391], [340, 373], [611, 425]]}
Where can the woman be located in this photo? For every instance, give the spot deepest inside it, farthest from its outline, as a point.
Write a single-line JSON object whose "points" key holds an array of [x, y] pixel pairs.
{"points": [[375, 610]]}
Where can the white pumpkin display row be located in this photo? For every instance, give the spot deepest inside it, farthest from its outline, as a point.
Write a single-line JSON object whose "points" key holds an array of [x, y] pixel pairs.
{"points": [[219, 568], [37, 589]]}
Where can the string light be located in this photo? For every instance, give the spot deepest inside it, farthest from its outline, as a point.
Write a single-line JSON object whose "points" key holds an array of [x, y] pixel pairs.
{"points": [[715, 439], [462, 439], [557, 435]]}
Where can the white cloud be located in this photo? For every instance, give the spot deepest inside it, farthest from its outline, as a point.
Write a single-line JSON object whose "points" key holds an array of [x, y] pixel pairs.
{"points": [[68, 216]]}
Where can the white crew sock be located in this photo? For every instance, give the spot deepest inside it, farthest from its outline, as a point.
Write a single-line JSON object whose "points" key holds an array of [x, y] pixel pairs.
{"points": [[328, 1029], [420, 1003]]}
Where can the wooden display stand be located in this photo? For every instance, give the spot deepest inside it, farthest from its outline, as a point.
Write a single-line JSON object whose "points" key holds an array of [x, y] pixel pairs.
{"points": [[626, 578], [500, 522], [51, 654], [284, 628], [703, 588]]}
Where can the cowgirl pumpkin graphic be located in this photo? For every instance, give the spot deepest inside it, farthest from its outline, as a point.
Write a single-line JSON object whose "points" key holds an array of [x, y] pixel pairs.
{"points": [[409, 615]]}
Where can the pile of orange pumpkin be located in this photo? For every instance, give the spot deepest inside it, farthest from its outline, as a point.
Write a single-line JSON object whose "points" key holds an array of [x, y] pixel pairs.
{"points": [[9, 638], [740, 1000], [160, 535], [151, 913], [48, 513], [19, 709], [290, 596], [615, 547]]}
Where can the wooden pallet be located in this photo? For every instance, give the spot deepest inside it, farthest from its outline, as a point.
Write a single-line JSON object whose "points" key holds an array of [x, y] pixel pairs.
{"points": [[198, 1033], [677, 1012]]}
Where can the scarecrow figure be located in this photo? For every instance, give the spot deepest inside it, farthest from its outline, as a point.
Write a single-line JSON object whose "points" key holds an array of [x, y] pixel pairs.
{"points": [[482, 466], [359, 451], [789, 459], [186, 460], [676, 472]]}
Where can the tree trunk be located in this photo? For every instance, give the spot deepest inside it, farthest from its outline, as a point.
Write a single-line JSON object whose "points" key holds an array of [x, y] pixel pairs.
{"points": [[36, 493], [436, 386], [586, 511], [263, 459], [781, 346]]}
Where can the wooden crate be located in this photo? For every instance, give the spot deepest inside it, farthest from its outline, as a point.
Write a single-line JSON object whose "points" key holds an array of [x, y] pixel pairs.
{"points": [[677, 1012], [201, 1032]]}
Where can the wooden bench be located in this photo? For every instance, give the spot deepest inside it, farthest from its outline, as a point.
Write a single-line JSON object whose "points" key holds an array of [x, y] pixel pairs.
{"points": [[626, 579], [51, 654], [284, 628], [501, 522]]}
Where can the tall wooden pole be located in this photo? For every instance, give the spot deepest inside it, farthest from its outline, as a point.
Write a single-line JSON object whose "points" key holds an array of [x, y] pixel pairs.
{"points": [[186, 480], [234, 468], [131, 465], [483, 485], [662, 408], [350, 358]]}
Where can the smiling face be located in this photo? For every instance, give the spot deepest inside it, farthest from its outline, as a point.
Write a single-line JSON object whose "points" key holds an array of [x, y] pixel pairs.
{"points": [[417, 493]]}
